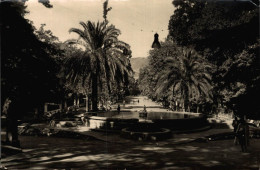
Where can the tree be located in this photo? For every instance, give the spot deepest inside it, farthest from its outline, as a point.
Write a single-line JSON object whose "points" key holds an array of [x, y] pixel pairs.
{"points": [[187, 77], [243, 80], [149, 75], [104, 57], [215, 26], [106, 10], [220, 31], [132, 88], [144, 82], [76, 85], [59, 51], [28, 76]]}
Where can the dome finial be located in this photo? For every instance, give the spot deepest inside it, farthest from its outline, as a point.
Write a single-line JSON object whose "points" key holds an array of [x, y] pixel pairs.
{"points": [[156, 43]]}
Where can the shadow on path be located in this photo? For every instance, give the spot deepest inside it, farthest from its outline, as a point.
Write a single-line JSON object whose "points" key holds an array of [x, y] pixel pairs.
{"points": [[57, 153]]}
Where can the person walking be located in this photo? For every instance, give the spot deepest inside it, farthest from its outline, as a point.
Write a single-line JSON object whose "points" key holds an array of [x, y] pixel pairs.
{"points": [[243, 134]]}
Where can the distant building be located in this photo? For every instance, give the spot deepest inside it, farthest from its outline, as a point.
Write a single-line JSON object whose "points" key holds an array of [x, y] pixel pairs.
{"points": [[156, 43]]}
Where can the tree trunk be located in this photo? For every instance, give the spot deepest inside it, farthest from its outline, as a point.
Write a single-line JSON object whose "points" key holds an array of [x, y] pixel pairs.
{"points": [[65, 105], [94, 93], [60, 106], [186, 100], [89, 105], [74, 102], [12, 132], [11, 123], [45, 107], [78, 101], [36, 113], [86, 103]]}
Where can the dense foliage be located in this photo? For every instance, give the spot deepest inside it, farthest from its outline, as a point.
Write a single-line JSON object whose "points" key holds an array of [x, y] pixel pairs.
{"points": [[104, 60], [148, 76], [187, 78], [38, 68], [28, 70], [177, 76], [226, 34]]}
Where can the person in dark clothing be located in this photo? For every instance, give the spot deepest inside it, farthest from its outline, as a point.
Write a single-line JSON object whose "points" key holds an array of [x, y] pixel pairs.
{"points": [[235, 125], [118, 109], [242, 133]]}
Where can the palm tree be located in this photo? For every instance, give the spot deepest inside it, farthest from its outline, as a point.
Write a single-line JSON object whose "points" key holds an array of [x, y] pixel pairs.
{"points": [[103, 57], [187, 77]]}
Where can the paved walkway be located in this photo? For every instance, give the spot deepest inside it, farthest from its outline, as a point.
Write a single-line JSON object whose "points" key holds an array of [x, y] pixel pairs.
{"points": [[64, 153]]}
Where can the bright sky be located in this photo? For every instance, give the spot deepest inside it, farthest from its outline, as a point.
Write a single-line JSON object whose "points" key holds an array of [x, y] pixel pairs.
{"points": [[138, 20]]}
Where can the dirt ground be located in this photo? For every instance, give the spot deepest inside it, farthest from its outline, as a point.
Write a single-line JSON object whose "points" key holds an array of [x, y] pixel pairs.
{"points": [[65, 153]]}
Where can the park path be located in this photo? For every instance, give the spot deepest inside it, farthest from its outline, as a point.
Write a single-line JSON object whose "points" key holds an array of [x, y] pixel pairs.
{"points": [[110, 151], [65, 153], [140, 101]]}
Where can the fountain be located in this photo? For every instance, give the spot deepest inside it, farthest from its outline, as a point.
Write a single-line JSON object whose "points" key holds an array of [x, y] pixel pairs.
{"points": [[146, 120]]}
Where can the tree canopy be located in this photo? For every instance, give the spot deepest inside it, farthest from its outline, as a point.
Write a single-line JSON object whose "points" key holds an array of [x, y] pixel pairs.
{"points": [[104, 57], [226, 37], [177, 74], [28, 71], [227, 34]]}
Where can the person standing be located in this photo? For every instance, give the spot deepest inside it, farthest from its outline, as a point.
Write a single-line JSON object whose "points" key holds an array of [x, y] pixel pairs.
{"points": [[118, 109], [243, 134], [235, 125]]}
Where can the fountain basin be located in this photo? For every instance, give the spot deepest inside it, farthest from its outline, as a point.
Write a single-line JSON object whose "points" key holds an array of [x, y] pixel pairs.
{"points": [[182, 124], [146, 132], [109, 124], [163, 119]]}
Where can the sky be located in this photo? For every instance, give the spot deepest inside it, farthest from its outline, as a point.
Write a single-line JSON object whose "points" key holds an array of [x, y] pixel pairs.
{"points": [[138, 20]]}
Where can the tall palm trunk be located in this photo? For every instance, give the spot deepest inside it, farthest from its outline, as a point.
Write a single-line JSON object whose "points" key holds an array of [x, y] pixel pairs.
{"points": [[197, 108], [94, 96], [186, 99]]}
